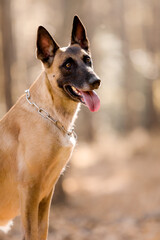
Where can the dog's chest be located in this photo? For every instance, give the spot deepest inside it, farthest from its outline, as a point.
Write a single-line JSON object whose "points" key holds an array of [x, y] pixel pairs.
{"points": [[57, 163]]}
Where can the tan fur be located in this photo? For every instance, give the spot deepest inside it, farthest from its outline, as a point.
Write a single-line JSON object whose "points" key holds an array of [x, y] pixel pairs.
{"points": [[33, 152]]}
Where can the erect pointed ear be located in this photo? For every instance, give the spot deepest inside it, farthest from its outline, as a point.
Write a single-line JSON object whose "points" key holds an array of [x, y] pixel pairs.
{"points": [[46, 46], [79, 34]]}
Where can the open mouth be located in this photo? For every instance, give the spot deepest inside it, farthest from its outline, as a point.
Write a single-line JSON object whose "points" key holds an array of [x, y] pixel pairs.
{"points": [[89, 98], [74, 93]]}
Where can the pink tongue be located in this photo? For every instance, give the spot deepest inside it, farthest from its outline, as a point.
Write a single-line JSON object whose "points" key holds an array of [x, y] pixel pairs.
{"points": [[91, 100]]}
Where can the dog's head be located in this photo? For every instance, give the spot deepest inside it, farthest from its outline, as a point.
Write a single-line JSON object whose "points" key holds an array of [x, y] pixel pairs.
{"points": [[70, 69]]}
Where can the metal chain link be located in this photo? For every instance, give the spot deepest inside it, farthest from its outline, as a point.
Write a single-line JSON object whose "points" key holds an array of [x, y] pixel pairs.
{"points": [[46, 115]]}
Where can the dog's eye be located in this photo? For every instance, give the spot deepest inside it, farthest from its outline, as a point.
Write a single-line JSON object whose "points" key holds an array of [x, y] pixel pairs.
{"points": [[87, 60], [68, 66]]}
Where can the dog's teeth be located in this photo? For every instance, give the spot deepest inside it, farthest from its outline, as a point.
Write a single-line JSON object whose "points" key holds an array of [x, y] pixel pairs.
{"points": [[75, 90]]}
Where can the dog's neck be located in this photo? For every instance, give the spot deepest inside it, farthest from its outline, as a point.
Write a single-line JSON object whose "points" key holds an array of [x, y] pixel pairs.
{"points": [[60, 108]]}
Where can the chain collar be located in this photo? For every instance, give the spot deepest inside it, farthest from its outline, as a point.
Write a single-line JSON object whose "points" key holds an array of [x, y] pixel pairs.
{"points": [[46, 115]]}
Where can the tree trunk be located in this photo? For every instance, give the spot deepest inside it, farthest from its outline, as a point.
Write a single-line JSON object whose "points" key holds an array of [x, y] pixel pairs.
{"points": [[7, 50]]}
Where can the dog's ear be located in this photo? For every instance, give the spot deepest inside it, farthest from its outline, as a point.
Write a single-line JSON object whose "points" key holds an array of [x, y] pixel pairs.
{"points": [[46, 46], [79, 34]]}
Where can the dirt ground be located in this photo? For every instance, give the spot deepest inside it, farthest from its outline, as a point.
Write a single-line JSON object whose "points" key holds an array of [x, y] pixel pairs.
{"points": [[113, 191]]}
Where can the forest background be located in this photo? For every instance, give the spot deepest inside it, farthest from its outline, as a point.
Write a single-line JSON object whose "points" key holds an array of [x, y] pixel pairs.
{"points": [[110, 189]]}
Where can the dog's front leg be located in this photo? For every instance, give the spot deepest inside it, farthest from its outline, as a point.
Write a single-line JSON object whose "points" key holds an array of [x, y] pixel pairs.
{"points": [[43, 216], [29, 198]]}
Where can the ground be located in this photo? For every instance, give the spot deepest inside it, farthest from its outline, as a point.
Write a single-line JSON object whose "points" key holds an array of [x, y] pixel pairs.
{"points": [[113, 193]]}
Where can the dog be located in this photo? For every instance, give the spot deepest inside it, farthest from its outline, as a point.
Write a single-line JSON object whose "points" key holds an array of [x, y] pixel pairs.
{"points": [[37, 136]]}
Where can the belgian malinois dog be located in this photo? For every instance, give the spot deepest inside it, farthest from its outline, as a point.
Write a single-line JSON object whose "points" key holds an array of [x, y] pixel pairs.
{"points": [[36, 135]]}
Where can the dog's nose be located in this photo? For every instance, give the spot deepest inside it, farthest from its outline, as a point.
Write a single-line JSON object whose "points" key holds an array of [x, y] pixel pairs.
{"points": [[96, 83]]}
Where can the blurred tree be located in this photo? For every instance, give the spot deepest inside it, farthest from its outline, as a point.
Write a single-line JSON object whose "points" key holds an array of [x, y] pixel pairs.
{"points": [[7, 48], [119, 9], [152, 44]]}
